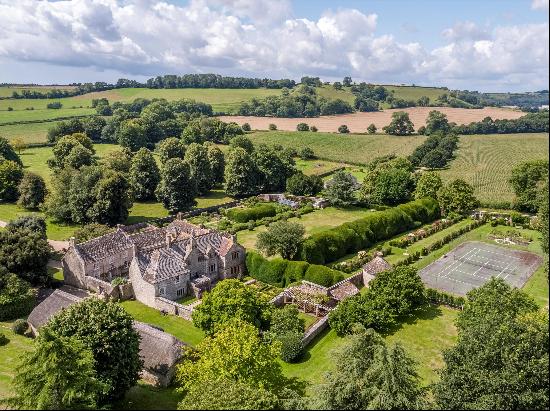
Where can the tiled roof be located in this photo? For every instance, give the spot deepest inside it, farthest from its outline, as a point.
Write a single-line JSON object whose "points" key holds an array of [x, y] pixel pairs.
{"points": [[164, 263], [104, 246], [344, 290], [54, 303], [376, 265]]}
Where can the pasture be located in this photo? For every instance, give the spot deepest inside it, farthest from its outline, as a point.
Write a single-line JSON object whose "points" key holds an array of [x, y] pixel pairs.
{"points": [[7, 91], [349, 148], [30, 133], [415, 92], [486, 162], [43, 114]]}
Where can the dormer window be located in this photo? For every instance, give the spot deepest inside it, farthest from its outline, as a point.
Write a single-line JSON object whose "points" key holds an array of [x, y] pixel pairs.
{"points": [[162, 291], [177, 279]]}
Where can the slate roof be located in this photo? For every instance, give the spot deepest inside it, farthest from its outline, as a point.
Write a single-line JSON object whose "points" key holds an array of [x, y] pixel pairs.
{"points": [[104, 246], [343, 290], [376, 265], [163, 263], [54, 303], [158, 350]]}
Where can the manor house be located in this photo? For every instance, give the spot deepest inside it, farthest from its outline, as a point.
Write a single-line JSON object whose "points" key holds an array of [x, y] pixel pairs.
{"points": [[171, 262]]}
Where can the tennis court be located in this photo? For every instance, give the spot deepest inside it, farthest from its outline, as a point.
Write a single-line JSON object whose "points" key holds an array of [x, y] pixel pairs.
{"points": [[472, 264]]}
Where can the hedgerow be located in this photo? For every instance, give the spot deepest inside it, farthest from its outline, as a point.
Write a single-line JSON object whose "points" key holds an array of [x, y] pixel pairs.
{"points": [[330, 245], [243, 215]]}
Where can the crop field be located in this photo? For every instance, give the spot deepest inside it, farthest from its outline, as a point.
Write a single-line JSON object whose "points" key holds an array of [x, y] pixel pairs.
{"points": [[486, 161], [358, 122], [348, 148]]}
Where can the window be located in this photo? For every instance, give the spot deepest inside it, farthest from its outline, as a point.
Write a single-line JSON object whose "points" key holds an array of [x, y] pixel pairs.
{"points": [[235, 255], [177, 279], [234, 270], [179, 293], [162, 291], [212, 267]]}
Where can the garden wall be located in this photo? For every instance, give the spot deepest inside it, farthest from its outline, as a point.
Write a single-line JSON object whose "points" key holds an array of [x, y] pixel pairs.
{"points": [[315, 330], [172, 307]]}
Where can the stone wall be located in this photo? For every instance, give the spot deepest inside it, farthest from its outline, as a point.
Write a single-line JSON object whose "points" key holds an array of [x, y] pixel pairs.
{"points": [[278, 300], [315, 330], [172, 307]]}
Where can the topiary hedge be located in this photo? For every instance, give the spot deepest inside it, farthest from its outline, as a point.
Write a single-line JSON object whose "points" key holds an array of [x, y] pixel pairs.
{"points": [[244, 215], [330, 245], [282, 273]]}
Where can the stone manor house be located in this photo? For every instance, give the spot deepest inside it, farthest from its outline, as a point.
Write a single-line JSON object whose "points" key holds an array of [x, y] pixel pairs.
{"points": [[171, 262]]}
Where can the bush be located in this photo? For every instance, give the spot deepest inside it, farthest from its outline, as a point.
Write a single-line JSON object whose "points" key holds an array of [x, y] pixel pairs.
{"points": [[343, 129], [119, 281], [3, 340], [243, 215], [302, 127], [291, 346], [19, 327], [54, 105], [246, 127], [273, 127], [17, 298], [294, 272], [313, 129], [319, 274], [306, 153]]}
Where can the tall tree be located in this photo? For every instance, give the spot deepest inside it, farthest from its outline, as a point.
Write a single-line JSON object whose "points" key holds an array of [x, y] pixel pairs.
{"points": [[7, 152], [11, 175], [340, 189], [273, 170], [170, 148], [107, 330], [176, 190], [241, 174], [144, 175], [282, 237], [428, 185], [119, 160], [458, 197], [196, 156], [217, 163], [230, 299], [401, 124], [112, 200], [501, 358], [527, 180], [543, 217], [368, 375], [58, 374], [437, 121], [132, 134]]}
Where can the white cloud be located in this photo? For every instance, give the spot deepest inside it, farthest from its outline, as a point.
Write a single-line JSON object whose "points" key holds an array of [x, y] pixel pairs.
{"points": [[539, 4], [262, 38]]}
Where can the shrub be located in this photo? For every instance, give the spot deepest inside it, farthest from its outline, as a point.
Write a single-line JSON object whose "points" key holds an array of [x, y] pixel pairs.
{"points": [[291, 346], [294, 272], [3, 340], [343, 129], [118, 281], [243, 215], [17, 298], [19, 327], [273, 127], [302, 127], [313, 129], [319, 274], [54, 105], [246, 127], [306, 153]]}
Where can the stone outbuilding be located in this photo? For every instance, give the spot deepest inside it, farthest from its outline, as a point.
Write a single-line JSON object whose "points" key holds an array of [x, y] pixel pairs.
{"points": [[373, 267]]}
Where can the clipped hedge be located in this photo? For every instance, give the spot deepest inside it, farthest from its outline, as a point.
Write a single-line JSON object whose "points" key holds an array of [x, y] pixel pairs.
{"points": [[330, 245], [282, 273], [244, 215], [440, 297]]}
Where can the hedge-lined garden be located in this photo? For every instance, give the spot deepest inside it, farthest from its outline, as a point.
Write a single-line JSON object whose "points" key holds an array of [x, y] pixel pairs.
{"points": [[282, 273], [257, 212], [330, 245]]}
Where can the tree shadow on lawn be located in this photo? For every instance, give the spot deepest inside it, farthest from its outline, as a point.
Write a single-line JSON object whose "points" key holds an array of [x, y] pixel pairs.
{"points": [[426, 312]]}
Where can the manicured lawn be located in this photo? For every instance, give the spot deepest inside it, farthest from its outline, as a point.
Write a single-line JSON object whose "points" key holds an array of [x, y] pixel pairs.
{"points": [[146, 397], [316, 166], [318, 220], [10, 355], [177, 326], [309, 319], [486, 161], [345, 148], [214, 197], [187, 300], [141, 212], [54, 231], [423, 336]]}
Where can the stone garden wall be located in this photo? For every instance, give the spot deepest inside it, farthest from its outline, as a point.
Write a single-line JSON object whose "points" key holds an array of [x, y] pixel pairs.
{"points": [[172, 307]]}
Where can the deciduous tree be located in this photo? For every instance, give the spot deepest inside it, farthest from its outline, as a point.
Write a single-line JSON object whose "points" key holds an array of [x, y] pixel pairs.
{"points": [[282, 237], [400, 125], [144, 175], [428, 185], [457, 196], [196, 156], [176, 190]]}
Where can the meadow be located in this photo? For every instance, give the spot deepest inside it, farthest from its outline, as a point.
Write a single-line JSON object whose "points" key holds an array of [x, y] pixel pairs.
{"points": [[486, 161], [348, 148], [43, 114]]}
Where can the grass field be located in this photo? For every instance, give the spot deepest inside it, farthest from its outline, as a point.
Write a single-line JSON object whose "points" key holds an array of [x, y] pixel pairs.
{"points": [[7, 91], [313, 222], [43, 114], [316, 166], [30, 133], [424, 336], [350, 148], [486, 161], [415, 92]]}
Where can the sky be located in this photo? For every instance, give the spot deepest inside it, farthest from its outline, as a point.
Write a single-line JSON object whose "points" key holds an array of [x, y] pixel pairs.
{"points": [[484, 45]]}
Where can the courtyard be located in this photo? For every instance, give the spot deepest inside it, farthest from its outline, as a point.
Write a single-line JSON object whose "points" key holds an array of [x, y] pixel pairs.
{"points": [[472, 264]]}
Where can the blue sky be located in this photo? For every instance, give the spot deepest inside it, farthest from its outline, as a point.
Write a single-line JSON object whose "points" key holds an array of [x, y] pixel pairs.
{"points": [[489, 45]]}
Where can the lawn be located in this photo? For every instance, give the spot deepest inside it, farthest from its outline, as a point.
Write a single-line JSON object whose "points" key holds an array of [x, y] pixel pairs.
{"points": [[316, 166], [308, 318], [177, 326], [10, 355], [423, 336], [486, 161], [348, 148], [318, 220], [30, 133]]}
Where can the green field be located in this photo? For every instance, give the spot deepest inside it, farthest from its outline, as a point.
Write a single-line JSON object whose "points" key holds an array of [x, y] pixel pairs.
{"points": [[7, 91], [415, 92], [486, 161], [30, 133], [316, 166], [42, 114], [316, 221], [349, 148]]}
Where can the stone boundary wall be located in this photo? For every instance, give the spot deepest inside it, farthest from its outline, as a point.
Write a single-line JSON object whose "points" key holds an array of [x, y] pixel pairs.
{"points": [[109, 291], [356, 279], [196, 212], [277, 301], [174, 308], [315, 330]]}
